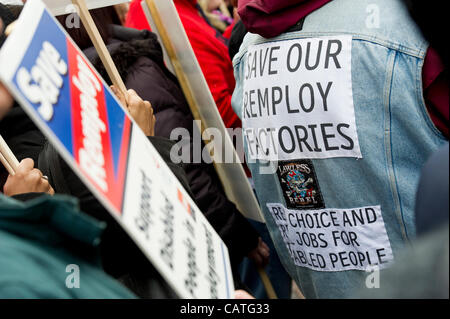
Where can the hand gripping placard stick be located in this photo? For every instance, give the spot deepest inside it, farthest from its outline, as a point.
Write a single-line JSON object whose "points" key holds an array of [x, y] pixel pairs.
{"points": [[191, 98], [99, 45], [165, 21], [7, 157]]}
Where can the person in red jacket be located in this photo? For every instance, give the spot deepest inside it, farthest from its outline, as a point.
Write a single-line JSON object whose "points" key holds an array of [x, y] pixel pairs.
{"points": [[209, 48]]}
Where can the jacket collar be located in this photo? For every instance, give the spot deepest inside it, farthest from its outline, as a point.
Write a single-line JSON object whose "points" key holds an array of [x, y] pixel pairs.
{"points": [[270, 18]]}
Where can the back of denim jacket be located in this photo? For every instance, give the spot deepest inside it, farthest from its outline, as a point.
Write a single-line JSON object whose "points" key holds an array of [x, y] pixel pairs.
{"points": [[337, 219]]}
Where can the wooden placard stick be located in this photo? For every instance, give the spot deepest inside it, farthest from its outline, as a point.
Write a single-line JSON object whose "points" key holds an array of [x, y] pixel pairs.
{"points": [[182, 78], [6, 164], [201, 102], [7, 157], [99, 45], [267, 284]]}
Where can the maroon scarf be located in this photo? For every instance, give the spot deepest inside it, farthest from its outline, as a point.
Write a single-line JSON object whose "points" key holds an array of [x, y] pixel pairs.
{"points": [[270, 18]]}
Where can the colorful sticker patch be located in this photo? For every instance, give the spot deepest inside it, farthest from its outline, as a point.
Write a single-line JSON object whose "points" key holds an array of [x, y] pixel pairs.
{"points": [[300, 185]]}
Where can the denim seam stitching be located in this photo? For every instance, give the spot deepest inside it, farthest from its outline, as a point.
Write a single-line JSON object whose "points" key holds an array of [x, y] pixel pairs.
{"points": [[388, 143]]}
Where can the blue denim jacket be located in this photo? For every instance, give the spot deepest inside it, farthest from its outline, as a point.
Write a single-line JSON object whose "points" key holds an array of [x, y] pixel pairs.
{"points": [[395, 132]]}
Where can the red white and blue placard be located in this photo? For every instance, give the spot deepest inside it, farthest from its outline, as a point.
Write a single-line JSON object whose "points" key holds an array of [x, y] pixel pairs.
{"points": [[70, 103]]}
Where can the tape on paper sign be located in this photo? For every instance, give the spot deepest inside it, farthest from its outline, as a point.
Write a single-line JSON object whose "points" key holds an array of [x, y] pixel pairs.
{"points": [[298, 100], [334, 239]]}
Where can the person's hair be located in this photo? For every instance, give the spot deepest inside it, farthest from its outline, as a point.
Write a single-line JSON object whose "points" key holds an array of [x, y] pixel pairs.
{"points": [[103, 18], [7, 17], [15, 10]]}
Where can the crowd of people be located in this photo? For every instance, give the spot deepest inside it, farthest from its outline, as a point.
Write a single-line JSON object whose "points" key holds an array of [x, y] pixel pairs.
{"points": [[360, 177]]}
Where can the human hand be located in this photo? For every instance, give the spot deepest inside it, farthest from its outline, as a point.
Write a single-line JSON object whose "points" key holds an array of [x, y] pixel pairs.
{"points": [[27, 179], [242, 294], [6, 101], [236, 16], [260, 255], [140, 110]]}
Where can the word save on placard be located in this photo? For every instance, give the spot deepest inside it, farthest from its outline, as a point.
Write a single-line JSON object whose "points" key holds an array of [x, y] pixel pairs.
{"points": [[297, 100]]}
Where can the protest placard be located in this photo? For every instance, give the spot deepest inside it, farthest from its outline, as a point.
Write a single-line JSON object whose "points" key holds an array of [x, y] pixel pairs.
{"points": [[163, 17], [59, 7], [74, 108]]}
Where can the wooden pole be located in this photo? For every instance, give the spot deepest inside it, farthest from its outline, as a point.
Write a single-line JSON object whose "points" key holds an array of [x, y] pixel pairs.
{"points": [[199, 98], [6, 164], [7, 157], [267, 284], [182, 78], [99, 45]]}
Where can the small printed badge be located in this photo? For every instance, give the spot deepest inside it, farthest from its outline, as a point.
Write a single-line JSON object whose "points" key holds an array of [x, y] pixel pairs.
{"points": [[300, 185]]}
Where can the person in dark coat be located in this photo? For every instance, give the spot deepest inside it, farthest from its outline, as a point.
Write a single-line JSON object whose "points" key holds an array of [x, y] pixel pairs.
{"points": [[139, 59]]}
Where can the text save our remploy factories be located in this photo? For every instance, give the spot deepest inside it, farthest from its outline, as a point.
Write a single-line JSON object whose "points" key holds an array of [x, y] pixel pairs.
{"points": [[297, 100]]}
